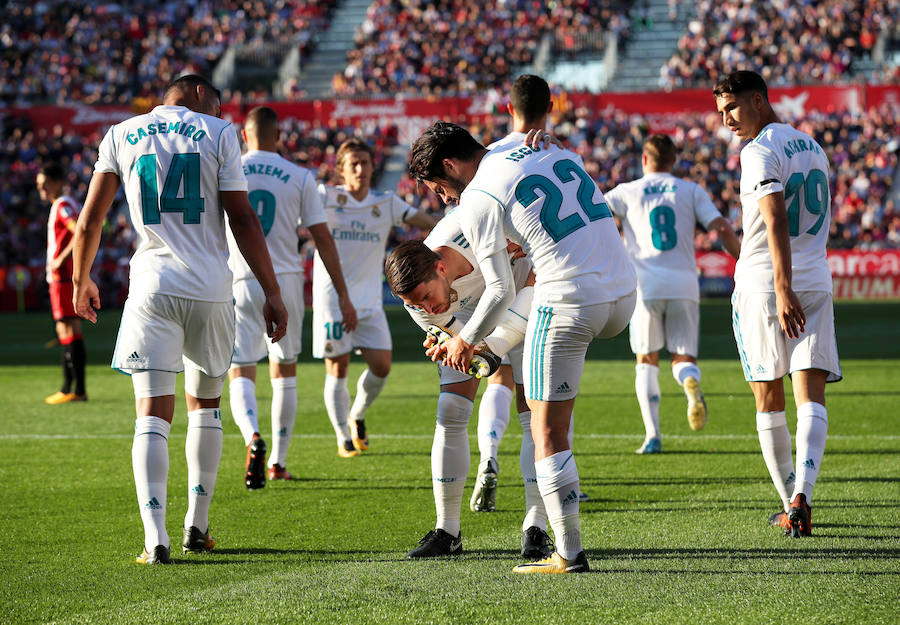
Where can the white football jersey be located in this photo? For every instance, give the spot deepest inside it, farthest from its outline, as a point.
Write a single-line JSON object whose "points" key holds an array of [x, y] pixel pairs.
{"points": [[172, 163], [284, 196], [465, 290], [360, 230], [658, 214], [784, 159], [544, 200]]}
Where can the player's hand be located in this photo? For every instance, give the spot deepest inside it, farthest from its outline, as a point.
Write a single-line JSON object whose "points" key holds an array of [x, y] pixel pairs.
{"points": [[57, 262], [514, 250], [455, 353], [86, 300], [537, 139], [790, 313], [276, 316], [348, 313]]}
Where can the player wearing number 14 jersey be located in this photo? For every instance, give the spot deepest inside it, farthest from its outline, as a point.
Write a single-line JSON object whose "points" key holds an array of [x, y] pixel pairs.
{"points": [[658, 213], [181, 170], [783, 314]]}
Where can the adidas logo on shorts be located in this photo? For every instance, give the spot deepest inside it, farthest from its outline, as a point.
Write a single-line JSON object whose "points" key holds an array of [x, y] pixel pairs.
{"points": [[563, 388]]}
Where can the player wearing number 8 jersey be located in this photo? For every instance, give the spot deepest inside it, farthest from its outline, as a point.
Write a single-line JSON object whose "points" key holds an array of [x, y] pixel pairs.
{"points": [[658, 213], [180, 166], [782, 308], [543, 200]]}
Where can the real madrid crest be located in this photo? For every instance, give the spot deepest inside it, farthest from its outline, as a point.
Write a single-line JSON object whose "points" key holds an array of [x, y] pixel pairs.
{"points": [[328, 348], [341, 199], [375, 211], [453, 295]]}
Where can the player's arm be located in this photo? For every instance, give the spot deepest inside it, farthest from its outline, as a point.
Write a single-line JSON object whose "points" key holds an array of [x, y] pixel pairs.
{"points": [[727, 235], [100, 196], [790, 313], [421, 219], [251, 242], [64, 253], [330, 258]]}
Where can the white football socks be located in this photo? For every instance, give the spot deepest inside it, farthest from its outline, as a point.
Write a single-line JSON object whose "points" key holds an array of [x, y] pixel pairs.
{"points": [[284, 412], [557, 478], [242, 397], [812, 431], [368, 388], [684, 370], [775, 442], [493, 417], [450, 459], [202, 449], [337, 404], [646, 386], [535, 513], [150, 462]]}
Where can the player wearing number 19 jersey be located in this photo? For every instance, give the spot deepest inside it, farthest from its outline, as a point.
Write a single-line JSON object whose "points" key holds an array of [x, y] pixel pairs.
{"points": [[658, 213], [180, 166], [543, 200], [782, 308]]}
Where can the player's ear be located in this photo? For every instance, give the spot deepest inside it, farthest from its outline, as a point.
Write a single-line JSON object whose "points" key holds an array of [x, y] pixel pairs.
{"points": [[510, 109]]}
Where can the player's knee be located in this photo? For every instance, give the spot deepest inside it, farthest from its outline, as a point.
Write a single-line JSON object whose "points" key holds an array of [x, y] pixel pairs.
{"points": [[453, 410], [199, 385]]}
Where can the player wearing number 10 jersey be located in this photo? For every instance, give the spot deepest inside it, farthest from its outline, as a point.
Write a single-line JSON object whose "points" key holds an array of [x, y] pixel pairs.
{"points": [[180, 166], [782, 310], [543, 200]]}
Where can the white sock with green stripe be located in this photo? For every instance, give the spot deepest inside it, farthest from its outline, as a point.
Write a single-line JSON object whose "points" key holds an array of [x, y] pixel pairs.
{"points": [[450, 459], [202, 449], [646, 386], [535, 513], [284, 412], [557, 478], [150, 462], [337, 405], [368, 388], [812, 432], [493, 418], [775, 442], [242, 397]]}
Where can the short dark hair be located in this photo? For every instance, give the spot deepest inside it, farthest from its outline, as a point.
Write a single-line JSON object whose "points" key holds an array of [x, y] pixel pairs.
{"points": [[263, 121], [530, 97], [53, 171], [353, 144], [741, 82], [189, 82], [660, 149], [408, 265], [441, 140]]}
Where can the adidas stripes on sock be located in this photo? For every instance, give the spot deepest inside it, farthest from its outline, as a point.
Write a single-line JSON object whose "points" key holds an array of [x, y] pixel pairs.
{"points": [[812, 432], [284, 412], [535, 513], [450, 459], [646, 386], [150, 463], [557, 478], [242, 397], [202, 449], [368, 388], [337, 404], [493, 418], [775, 442]]}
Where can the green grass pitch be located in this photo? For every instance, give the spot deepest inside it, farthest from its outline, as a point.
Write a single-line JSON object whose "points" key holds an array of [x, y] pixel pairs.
{"points": [[681, 537]]}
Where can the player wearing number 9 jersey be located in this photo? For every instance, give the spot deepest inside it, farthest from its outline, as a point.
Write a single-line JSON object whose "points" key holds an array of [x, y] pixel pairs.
{"points": [[543, 200], [658, 213], [782, 309], [180, 166]]}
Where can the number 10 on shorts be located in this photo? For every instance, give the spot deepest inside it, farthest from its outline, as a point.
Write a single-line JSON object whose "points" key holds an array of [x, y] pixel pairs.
{"points": [[334, 330]]}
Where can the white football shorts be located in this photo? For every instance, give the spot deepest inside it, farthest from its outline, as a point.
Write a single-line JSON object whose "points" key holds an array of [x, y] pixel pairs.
{"points": [[330, 340], [765, 350], [671, 322], [251, 344], [557, 339], [169, 333]]}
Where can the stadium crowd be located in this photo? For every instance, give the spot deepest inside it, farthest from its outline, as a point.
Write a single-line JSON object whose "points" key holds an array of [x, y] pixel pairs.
{"points": [[793, 43], [466, 46]]}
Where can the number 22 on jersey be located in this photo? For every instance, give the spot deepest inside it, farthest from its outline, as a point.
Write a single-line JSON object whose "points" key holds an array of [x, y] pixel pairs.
{"points": [[185, 168]]}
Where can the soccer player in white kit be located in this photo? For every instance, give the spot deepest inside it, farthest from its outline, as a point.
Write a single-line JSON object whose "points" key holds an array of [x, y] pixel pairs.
{"points": [[181, 169], [658, 213], [440, 283], [541, 199], [783, 314], [360, 221], [284, 197]]}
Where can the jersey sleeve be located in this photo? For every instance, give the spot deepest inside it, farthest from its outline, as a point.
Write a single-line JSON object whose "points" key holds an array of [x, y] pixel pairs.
{"points": [[67, 213], [616, 202], [401, 211], [704, 209], [481, 218], [106, 155], [231, 173], [760, 171], [312, 210]]}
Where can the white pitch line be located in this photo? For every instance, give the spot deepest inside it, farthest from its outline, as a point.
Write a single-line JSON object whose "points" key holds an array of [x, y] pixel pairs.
{"points": [[696, 437]]}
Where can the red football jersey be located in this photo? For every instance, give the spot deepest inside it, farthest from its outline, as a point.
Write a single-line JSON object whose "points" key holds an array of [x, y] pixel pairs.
{"points": [[63, 212]]}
